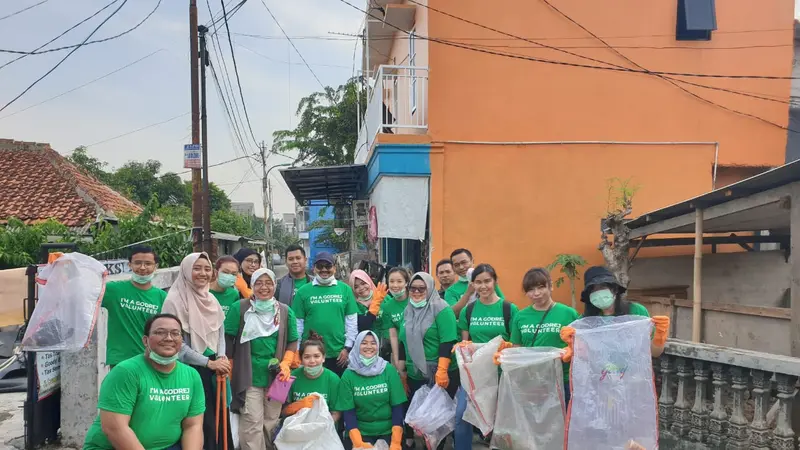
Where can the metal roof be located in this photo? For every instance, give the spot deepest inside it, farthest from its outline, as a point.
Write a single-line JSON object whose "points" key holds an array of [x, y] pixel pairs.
{"points": [[770, 179], [338, 183]]}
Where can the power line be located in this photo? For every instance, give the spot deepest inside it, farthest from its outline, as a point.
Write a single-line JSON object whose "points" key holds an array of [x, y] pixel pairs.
{"points": [[226, 15], [65, 57], [83, 85], [277, 61], [217, 164], [39, 50], [23, 10], [293, 46], [138, 130]]}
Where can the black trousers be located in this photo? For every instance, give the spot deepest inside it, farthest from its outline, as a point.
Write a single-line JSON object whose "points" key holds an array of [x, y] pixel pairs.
{"points": [[333, 365], [210, 439]]}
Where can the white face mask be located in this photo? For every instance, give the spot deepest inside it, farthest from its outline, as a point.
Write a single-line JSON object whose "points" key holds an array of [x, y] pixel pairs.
{"points": [[325, 281]]}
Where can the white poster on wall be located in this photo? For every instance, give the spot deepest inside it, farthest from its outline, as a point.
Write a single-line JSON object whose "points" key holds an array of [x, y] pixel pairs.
{"points": [[401, 204], [48, 373]]}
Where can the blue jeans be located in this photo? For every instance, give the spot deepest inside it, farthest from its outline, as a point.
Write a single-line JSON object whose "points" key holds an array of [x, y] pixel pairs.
{"points": [[463, 432]]}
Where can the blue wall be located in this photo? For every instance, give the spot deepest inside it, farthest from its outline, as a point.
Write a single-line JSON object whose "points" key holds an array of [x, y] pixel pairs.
{"points": [[314, 209], [400, 160]]}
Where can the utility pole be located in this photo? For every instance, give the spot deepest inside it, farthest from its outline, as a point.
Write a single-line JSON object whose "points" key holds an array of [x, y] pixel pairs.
{"points": [[197, 204], [206, 191], [265, 198]]}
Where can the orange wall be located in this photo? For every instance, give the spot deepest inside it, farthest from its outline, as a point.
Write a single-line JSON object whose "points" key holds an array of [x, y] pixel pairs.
{"points": [[474, 96]]}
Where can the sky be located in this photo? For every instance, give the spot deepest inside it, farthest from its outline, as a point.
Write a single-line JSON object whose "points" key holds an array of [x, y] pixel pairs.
{"points": [[156, 88]]}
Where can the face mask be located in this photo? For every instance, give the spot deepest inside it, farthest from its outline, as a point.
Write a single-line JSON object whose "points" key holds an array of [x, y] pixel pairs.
{"points": [[162, 360], [418, 305], [368, 361], [314, 371], [264, 306], [463, 279], [400, 294], [324, 281], [142, 279], [364, 299], [602, 299], [226, 280]]}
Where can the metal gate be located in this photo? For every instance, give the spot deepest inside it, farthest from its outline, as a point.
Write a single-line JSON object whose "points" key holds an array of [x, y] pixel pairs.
{"points": [[43, 402]]}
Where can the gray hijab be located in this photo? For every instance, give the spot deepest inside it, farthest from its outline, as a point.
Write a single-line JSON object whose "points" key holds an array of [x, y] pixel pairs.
{"points": [[358, 366], [419, 320]]}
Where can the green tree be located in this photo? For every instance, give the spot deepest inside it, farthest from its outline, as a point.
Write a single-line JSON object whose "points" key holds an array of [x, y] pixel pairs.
{"points": [[172, 190], [89, 164], [327, 132], [281, 238], [19, 243], [569, 266], [137, 180]]}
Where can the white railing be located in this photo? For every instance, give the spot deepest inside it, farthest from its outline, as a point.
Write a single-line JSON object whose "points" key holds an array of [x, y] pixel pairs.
{"points": [[397, 104]]}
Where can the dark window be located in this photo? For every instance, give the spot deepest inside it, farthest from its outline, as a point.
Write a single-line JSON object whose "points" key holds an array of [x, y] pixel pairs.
{"points": [[696, 20]]}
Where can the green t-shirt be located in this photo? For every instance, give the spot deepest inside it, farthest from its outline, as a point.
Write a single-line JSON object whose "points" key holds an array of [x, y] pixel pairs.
{"points": [[444, 329], [638, 310], [226, 299], [527, 320], [487, 322], [454, 293], [156, 402], [390, 315], [372, 398], [298, 283], [128, 309], [323, 309], [327, 384]]}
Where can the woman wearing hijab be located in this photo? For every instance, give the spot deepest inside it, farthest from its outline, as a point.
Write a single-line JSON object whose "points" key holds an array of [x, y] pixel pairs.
{"points": [[429, 334], [371, 396], [368, 298], [265, 345], [204, 336], [249, 261]]}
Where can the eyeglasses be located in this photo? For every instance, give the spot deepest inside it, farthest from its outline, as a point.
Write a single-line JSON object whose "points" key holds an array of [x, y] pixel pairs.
{"points": [[174, 334], [250, 261], [323, 266], [417, 289], [262, 284], [145, 264]]}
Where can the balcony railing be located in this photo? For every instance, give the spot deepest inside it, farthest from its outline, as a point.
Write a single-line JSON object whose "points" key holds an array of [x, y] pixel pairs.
{"points": [[718, 397], [396, 104]]}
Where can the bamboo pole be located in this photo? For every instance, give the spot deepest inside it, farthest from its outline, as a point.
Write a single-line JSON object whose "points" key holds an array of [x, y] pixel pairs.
{"points": [[697, 309]]}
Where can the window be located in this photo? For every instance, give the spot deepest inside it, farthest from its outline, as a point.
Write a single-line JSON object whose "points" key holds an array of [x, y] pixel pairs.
{"points": [[412, 61], [696, 20]]}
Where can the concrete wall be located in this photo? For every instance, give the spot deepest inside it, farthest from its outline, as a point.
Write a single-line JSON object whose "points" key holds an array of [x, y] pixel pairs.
{"points": [[82, 373], [745, 278]]}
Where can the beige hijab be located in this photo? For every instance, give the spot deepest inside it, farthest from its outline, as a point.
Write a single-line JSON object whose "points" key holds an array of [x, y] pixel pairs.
{"points": [[199, 311]]}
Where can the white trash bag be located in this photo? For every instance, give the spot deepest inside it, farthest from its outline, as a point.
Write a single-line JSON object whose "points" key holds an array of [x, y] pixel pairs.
{"points": [[70, 292], [480, 380], [613, 391], [380, 444], [309, 429], [432, 414], [531, 398]]}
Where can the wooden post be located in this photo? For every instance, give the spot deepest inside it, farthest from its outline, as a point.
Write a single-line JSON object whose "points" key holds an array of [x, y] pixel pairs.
{"points": [[697, 310]]}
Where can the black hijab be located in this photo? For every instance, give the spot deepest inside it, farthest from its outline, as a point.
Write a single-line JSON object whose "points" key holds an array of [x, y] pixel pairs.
{"points": [[243, 254]]}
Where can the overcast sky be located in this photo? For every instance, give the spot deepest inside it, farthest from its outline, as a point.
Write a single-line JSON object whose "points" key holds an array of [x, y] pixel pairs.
{"points": [[157, 88]]}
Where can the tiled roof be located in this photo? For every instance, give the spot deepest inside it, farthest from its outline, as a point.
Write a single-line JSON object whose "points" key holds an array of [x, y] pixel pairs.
{"points": [[36, 184]]}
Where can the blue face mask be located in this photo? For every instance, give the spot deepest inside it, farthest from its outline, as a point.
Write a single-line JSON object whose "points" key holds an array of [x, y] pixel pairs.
{"points": [[226, 280], [602, 300], [368, 361], [162, 360], [142, 279], [264, 306]]}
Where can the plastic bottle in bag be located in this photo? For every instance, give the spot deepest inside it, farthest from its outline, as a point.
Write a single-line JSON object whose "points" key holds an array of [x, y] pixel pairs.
{"points": [[432, 414], [530, 403], [613, 391]]}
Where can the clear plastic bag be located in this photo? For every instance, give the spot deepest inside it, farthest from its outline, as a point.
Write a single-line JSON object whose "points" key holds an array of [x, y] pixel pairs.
{"points": [[432, 414], [613, 391], [531, 398], [309, 429], [70, 292], [380, 444], [480, 380]]}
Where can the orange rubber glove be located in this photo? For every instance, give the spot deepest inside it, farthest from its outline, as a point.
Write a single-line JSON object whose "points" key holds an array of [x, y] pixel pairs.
{"points": [[441, 377], [305, 402], [633, 445], [241, 286], [296, 362], [568, 336], [377, 299], [285, 365], [357, 440], [397, 438], [461, 344], [503, 345], [662, 329]]}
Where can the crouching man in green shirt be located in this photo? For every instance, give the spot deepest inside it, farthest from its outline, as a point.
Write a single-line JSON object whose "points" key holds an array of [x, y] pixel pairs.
{"points": [[151, 401]]}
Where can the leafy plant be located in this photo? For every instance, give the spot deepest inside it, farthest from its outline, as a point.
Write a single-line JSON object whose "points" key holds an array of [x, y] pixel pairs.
{"points": [[19, 243], [569, 267]]}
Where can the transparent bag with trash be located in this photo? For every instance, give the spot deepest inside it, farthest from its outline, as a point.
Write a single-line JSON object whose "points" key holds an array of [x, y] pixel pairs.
{"points": [[380, 444], [531, 398], [70, 291], [432, 414], [480, 380], [309, 429], [613, 391]]}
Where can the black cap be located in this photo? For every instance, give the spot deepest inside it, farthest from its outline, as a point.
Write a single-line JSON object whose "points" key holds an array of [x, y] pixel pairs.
{"points": [[325, 257], [598, 275]]}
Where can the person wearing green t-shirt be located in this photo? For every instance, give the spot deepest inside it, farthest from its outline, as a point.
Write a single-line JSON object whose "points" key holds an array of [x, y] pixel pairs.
{"points": [[371, 396], [151, 401], [368, 300], [297, 277], [313, 379], [130, 304], [328, 307], [222, 288], [390, 317], [462, 292]]}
